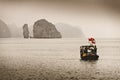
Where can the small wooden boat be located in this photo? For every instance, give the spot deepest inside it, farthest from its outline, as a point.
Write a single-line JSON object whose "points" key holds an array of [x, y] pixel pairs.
{"points": [[88, 52]]}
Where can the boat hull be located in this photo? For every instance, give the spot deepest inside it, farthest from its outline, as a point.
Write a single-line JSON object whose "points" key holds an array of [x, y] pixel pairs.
{"points": [[90, 57], [88, 52]]}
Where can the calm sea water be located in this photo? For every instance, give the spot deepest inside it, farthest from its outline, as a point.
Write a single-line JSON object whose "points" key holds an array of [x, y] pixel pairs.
{"points": [[57, 59]]}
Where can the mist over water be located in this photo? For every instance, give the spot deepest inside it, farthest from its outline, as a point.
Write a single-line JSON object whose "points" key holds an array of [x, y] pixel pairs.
{"points": [[57, 59]]}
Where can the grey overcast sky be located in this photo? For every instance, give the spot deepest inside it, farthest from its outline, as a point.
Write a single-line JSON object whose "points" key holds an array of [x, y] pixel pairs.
{"points": [[99, 18]]}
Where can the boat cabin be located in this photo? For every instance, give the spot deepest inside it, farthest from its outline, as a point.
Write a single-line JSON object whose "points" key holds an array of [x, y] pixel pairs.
{"points": [[88, 52]]}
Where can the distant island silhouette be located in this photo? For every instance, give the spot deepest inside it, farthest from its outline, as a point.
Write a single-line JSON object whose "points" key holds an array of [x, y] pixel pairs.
{"points": [[4, 30], [40, 29], [44, 29], [69, 31]]}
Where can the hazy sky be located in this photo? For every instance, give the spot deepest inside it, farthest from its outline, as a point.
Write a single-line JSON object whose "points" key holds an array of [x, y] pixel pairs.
{"points": [[100, 18]]}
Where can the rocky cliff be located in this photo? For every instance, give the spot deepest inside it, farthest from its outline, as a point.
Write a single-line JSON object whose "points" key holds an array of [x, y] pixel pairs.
{"points": [[4, 30], [25, 31], [44, 29]]}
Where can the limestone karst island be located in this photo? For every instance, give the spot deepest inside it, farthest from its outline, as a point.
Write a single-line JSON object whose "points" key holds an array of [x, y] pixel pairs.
{"points": [[42, 29]]}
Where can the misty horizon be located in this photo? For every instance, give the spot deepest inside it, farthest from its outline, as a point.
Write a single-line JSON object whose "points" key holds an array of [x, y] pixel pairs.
{"points": [[94, 18]]}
